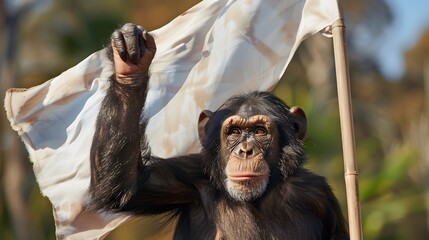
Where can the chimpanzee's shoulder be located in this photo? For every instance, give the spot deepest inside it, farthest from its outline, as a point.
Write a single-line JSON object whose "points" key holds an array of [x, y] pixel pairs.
{"points": [[304, 183]]}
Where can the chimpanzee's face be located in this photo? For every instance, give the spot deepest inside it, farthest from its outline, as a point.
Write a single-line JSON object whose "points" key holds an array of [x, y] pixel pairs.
{"points": [[245, 141], [251, 141]]}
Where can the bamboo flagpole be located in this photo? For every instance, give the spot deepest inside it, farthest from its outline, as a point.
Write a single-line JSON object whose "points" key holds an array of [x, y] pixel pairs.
{"points": [[347, 131]]}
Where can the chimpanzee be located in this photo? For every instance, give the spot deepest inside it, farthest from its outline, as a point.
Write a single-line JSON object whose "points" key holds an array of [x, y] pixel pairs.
{"points": [[248, 182]]}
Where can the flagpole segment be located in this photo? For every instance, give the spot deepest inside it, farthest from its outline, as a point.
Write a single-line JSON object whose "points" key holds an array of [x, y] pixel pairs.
{"points": [[347, 130]]}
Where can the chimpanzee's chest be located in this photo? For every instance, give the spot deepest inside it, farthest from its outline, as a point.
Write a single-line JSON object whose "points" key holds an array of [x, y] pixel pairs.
{"points": [[245, 221], [226, 222]]}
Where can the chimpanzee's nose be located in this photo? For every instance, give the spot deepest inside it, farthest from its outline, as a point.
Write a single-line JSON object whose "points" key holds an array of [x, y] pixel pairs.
{"points": [[246, 150]]}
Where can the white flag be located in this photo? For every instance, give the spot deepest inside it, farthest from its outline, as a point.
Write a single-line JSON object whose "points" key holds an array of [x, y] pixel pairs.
{"points": [[216, 49]]}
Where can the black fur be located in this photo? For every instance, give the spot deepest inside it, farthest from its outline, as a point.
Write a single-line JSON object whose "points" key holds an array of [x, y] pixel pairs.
{"points": [[127, 178]]}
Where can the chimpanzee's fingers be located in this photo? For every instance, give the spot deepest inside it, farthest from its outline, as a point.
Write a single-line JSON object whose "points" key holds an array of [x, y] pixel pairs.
{"points": [[150, 42], [118, 43], [141, 40], [131, 35]]}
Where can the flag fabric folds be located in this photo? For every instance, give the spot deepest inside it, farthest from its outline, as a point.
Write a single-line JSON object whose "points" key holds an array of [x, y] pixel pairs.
{"points": [[214, 50]]}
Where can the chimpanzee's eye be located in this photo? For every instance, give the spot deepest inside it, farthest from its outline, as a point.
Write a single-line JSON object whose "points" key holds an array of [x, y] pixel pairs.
{"points": [[260, 131], [234, 131]]}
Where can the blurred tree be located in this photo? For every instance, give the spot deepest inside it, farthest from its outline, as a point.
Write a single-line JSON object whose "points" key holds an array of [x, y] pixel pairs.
{"points": [[366, 21], [15, 171], [391, 191], [383, 113], [417, 62]]}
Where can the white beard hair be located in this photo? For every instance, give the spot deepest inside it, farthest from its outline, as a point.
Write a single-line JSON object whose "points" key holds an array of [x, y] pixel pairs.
{"points": [[247, 196]]}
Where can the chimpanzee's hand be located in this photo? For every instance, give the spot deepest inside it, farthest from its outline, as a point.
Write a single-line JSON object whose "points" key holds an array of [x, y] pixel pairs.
{"points": [[133, 51]]}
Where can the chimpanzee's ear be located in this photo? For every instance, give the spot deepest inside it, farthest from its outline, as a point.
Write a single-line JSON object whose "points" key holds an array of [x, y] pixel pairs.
{"points": [[300, 121], [202, 121]]}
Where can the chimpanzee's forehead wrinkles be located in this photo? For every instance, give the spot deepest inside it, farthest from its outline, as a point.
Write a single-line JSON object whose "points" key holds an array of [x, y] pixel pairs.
{"points": [[244, 122]]}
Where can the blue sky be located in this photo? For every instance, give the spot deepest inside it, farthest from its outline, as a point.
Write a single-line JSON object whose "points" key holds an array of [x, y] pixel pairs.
{"points": [[411, 17]]}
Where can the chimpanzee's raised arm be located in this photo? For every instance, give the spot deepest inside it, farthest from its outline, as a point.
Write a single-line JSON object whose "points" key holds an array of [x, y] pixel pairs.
{"points": [[124, 175], [115, 152]]}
